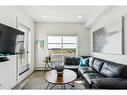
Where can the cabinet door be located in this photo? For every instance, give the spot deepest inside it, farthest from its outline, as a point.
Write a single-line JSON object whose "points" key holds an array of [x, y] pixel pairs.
{"points": [[8, 73]]}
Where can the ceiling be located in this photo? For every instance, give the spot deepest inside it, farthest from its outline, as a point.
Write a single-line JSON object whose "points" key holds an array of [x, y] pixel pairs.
{"points": [[80, 14]]}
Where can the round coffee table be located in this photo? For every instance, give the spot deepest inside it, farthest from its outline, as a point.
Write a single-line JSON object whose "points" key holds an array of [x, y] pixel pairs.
{"points": [[68, 77]]}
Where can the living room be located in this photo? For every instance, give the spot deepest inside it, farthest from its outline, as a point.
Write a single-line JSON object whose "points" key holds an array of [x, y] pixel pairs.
{"points": [[94, 34]]}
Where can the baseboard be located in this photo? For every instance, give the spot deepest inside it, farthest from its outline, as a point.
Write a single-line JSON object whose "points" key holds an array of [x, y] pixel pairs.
{"points": [[24, 75], [40, 68]]}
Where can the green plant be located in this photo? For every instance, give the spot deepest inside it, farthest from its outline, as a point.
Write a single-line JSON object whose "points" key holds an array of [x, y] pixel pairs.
{"points": [[59, 68]]}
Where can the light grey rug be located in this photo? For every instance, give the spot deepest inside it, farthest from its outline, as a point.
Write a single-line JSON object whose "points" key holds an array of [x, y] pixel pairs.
{"points": [[36, 81]]}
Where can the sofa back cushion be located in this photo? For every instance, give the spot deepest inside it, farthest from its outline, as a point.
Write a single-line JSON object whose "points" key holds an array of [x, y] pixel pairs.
{"points": [[112, 69], [76, 61], [71, 61], [97, 64], [68, 61]]}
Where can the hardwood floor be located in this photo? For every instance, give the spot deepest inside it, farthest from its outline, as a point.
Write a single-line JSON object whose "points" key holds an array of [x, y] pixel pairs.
{"points": [[36, 81]]}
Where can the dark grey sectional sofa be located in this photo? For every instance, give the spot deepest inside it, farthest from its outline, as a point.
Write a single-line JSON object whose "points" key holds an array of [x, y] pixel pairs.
{"points": [[73, 63], [103, 74]]}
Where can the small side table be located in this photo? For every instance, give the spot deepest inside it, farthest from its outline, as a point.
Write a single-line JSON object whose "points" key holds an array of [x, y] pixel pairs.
{"points": [[47, 65]]}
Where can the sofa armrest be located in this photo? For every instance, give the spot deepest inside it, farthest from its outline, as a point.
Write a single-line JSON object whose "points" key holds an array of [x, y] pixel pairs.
{"points": [[110, 83]]}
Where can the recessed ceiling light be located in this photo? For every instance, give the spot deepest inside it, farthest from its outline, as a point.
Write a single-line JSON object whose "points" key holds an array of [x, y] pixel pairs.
{"points": [[44, 16], [79, 16]]}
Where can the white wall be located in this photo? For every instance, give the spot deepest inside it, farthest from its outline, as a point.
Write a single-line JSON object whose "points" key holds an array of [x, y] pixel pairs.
{"points": [[42, 29], [100, 22], [8, 16]]}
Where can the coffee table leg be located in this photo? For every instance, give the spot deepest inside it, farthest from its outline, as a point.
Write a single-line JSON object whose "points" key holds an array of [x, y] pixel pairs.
{"points": [[47, 86], [64, 86], [53, 86], [72, 84]]}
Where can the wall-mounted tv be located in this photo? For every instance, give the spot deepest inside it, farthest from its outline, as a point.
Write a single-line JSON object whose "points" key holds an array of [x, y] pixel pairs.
{"points": [[11, 40]]}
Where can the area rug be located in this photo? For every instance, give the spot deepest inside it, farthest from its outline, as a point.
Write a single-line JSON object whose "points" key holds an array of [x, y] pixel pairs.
{"points": [[41, 84], [36, 81]]}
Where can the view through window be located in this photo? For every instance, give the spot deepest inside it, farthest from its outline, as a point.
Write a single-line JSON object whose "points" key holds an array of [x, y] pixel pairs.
{"points": [[62, 45]]}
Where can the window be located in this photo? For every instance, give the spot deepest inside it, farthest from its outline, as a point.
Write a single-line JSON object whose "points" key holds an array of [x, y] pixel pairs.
{"points": [[69, 45], [62, 45]]}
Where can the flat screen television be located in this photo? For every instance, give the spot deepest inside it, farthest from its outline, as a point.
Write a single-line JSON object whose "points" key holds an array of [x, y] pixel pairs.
{"points": [[11, 40]]}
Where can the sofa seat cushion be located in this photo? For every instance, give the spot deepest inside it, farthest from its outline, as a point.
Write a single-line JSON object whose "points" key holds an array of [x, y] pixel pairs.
{"points": [[89, 76], [111, 69], [84, 69], [110, 83], [97, 64]]}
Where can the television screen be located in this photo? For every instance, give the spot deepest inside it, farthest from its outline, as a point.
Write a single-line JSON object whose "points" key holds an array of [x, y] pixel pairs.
{"points": [[11, 40]]}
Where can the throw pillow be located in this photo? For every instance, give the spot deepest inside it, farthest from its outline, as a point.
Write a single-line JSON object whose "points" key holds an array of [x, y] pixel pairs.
{"points": [[84, 62], [91, 59]]}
